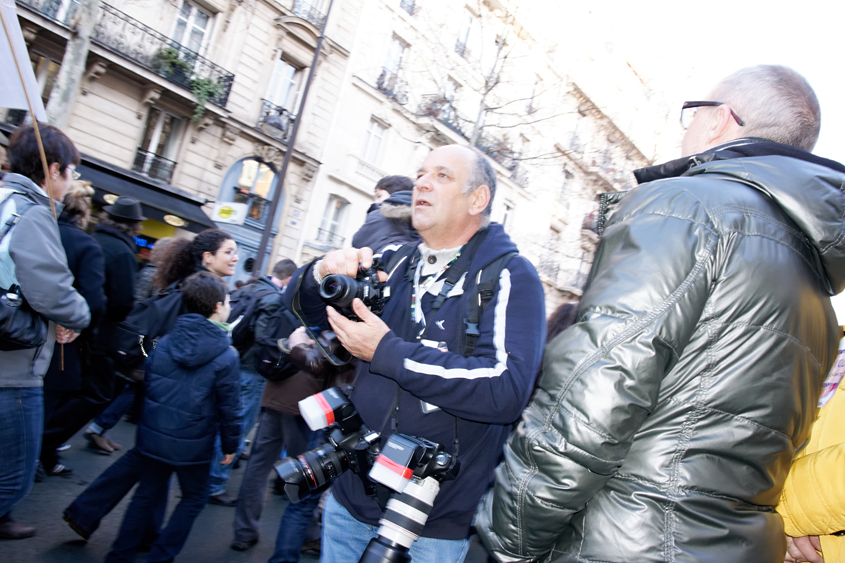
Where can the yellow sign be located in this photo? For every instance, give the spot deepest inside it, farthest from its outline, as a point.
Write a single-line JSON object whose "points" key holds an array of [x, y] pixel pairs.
{"points": [[175, 221], [225, 212]]}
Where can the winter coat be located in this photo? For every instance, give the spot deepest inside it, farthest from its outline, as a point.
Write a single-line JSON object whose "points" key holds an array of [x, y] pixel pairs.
{"points": [[265, 308], [85, 260], [666, 418], [121, 267], [144, 287], [813, 499], [387, 223], [32, 256], [442, 395], [192, 387]]}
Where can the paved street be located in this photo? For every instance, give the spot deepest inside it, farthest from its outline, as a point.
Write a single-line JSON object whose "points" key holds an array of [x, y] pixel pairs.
{"points": [[209, 540]]}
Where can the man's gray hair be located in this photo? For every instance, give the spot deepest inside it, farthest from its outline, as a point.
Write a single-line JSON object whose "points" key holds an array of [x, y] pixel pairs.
{"points": [[775, 102], [482, 174]]}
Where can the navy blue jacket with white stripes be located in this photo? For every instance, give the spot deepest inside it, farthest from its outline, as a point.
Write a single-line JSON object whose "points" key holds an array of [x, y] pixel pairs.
{"points": [[485, 392]]}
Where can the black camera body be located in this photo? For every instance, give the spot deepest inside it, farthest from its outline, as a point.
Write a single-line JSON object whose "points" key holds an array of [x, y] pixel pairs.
{"points": [[408, 468], [339, 291]]}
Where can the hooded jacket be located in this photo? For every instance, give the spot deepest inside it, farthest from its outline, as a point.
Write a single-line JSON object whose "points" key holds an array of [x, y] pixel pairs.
{"points": [[32, 256], [387, 223], [666, 419], [192, 387], [414, 388]]}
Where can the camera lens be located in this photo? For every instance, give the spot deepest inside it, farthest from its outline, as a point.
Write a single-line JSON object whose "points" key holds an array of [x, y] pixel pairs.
{"points": [[339, 290], [310, 471]]}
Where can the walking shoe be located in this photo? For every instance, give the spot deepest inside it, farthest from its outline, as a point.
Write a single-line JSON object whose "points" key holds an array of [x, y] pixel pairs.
{"points": [[60, 470], [63, 448], [99, 444], [223, 500], [311, 547], [114, 445], [239, 545], [40, 474], [76, 527], [14, 530]]}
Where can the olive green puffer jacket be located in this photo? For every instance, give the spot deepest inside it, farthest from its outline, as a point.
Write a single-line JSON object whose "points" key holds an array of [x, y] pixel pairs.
{"points": [[666, 419]]}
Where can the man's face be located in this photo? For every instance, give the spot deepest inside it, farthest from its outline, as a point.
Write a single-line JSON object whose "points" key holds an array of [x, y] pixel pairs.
{"points": [[441, 212]]}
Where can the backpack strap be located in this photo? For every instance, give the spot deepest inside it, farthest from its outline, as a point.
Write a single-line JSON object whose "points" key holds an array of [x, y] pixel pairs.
{"points": [[480, 296], [15, 217]]}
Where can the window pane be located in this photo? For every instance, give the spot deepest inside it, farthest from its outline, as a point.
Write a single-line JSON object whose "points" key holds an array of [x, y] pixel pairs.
{"points": [[149, 131], [264, 182], [166, 132], [256, 210], [249, 170]]}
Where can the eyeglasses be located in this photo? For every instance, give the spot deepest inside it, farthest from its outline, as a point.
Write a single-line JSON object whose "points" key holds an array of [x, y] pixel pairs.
{"points": [[74, 175], [230, 252], [689, 108]]}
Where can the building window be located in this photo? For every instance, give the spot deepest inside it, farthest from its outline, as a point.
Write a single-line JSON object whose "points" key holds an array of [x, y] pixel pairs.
{"points": [[191, 27], [408, 5], [45, 75], [388, 81], [255, 186], [507, 216], [372, 142], [463, 34], [159, 145], [329, 230], [285, 86]]}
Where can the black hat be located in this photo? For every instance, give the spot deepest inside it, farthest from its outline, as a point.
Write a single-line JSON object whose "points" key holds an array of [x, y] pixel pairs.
{"points": [[125, 208]]}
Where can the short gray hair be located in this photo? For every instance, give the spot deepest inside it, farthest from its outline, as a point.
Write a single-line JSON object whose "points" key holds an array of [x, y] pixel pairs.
{"points": [[481, 174], [775, 102]]}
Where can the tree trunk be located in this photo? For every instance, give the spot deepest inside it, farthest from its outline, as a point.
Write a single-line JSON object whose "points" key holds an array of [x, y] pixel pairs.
{"points": [[73, 63]]}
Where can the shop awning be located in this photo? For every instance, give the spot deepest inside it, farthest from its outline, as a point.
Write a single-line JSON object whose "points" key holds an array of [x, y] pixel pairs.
{"points": [[160, 201]]}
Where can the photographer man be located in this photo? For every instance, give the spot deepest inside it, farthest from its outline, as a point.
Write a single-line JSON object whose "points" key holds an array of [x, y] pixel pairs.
{"points": [[416, 375]]}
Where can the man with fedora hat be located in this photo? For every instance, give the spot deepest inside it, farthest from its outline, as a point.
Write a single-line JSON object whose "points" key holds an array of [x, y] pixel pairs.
{"points": [[119, 224]]}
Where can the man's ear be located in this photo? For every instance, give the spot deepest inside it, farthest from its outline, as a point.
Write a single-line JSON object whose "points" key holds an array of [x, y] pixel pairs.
{"points": [[721, 127], [54, 169], [480, 199]]}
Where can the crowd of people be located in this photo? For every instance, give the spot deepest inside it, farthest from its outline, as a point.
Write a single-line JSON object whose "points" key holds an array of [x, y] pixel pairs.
{"points": [[668, 416]]}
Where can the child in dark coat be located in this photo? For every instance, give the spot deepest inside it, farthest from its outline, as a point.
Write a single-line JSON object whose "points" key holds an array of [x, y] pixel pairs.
{"points": [[192, 389]]}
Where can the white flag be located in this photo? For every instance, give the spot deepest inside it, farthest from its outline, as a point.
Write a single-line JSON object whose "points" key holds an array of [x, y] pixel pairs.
{"points": [[14, 88]]}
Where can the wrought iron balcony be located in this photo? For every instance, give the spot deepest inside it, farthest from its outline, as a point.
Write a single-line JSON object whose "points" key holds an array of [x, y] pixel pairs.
{"points": [[392, 86], [275, 121], [498, 150], [327, 237], [148, 48], [305, 10], [153, 165], [61, 11], [443, 111]]}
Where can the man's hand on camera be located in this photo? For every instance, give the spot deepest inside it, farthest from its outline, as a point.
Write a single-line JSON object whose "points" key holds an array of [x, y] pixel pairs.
{"points": [[360, 338], [346, 262]]}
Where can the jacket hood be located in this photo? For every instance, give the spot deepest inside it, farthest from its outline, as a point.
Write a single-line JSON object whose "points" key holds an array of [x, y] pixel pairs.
{"points": [[808, 188], [24, 184], [397, 206], [496, 243], [199, 341]]}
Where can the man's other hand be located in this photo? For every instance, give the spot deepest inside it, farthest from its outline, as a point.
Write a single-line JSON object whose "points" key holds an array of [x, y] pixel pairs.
{"points": [[299, 336], [805, 548], [227, 459], [345, 261], [360, 338]]}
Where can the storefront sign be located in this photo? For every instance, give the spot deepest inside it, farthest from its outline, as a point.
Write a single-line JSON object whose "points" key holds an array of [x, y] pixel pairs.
{"points": [[229, 212]]}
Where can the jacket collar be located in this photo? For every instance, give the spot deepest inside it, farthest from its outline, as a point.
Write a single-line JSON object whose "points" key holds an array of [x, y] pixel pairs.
{"points": [[739, 148], [31, 189], [109, 230]]}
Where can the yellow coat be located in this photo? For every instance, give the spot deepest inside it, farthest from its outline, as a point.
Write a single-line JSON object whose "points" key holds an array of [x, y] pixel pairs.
{"points": [[813, 499]]}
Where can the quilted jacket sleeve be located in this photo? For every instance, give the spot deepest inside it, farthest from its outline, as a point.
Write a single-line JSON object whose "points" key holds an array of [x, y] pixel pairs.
{"points": [[227, 388], [814, 494], [601, 377]]}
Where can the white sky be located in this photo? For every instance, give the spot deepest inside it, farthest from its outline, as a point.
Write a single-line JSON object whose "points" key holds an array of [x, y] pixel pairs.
{"points": [[684, 48]]}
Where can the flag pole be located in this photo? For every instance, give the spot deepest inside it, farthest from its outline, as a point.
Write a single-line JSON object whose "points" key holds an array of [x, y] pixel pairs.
{"points": [[47, 180]]}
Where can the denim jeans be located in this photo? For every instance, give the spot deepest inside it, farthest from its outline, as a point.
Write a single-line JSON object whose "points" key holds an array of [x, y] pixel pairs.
{"points": [[345, 539], [108, 490], [252, 387], [296, 520], [193, 481], [21, 424], [115, 411]]}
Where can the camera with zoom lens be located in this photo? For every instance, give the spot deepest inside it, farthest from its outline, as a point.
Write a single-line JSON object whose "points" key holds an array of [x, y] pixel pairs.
{"points": [[339, 291], [407, 468]]}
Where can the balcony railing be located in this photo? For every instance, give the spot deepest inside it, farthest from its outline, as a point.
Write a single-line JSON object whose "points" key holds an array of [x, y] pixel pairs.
{"points": [[443, 111], [327, 237], [392, 86], [150, 49], [308, 12], [498, 150], [275, 121], [153, 165], [61, 11], [461, 48]]}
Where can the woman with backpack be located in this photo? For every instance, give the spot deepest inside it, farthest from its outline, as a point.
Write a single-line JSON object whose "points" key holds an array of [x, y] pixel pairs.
{"points": [[214, 251]]}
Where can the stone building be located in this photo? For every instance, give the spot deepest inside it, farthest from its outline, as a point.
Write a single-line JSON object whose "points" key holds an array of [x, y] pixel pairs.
{"points": [[189, 104]]}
